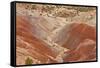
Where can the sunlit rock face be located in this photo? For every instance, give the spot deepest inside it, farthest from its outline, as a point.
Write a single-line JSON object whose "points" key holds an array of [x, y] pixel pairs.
{"points": [[74, 43], [43, 38], [30, 46]]}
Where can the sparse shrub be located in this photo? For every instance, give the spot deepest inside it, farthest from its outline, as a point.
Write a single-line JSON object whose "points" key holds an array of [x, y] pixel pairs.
{"points": [[28, 61]]}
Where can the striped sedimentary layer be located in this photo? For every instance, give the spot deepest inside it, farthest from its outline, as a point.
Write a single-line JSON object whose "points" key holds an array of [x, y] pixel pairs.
{"points": [[40, 42], [46, 39]]}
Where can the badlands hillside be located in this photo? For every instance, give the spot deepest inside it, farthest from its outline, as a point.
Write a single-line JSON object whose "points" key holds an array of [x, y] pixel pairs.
{"points": [[55, 34]]}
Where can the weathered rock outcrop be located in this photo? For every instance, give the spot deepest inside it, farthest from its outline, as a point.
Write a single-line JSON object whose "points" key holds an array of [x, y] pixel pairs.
{"points": [[71, 43], [44, 36]]}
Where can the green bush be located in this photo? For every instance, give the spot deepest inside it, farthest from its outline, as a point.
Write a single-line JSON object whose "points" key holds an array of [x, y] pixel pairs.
{"points": [[28, 61]]}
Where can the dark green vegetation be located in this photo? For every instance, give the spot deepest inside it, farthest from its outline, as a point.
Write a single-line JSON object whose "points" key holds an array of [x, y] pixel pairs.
{"points": [[28, 61]]}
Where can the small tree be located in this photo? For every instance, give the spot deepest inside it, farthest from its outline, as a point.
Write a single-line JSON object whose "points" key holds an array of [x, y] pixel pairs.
{"points": [[34, 7], [28, 61]]}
